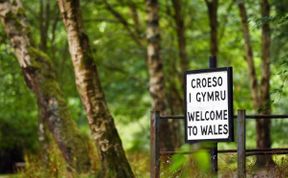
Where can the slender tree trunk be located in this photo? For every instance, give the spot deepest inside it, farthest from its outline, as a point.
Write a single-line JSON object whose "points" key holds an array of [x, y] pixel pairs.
{"points": [[249, 55], [135, 17], [113, 160], [175, 82], [156, 75], [40, 77], [44, 22], [180, 29], [177, 104], [212, 6], [260, 92], [263, 125]]}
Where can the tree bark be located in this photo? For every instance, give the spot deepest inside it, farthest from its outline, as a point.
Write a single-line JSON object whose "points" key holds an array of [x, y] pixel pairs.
{"points": [[180, 29], [249, 55], [40, 77], [263, 125], [212, 6], [156, 75], [44, 23], [177, 103], [113, 160], [260, 92]]}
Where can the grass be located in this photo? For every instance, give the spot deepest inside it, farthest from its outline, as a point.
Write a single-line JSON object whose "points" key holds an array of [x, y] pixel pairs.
{"points": [[9, 176], [180, 166]]}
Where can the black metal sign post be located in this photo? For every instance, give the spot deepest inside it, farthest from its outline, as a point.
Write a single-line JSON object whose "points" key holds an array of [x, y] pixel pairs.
{"points": [[214, 149]]}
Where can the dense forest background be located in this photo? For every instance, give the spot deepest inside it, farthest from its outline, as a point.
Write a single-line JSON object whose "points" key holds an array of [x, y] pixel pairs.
{"points": [[120, 45]]}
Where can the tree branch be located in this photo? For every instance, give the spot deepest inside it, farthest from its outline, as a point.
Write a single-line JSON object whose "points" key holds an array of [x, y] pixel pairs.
{"points": [[124, 22]]}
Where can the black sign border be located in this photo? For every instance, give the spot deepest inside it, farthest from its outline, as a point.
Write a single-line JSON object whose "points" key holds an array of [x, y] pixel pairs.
{"points": [[229, 71]]}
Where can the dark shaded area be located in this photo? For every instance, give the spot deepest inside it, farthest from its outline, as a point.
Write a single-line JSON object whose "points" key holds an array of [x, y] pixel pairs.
{"points": [[15, 139], [8, 159]]}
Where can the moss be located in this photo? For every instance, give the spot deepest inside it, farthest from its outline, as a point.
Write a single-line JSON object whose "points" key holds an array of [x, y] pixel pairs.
{"points": [[41, 61], [10, 16], [14, 3], [17, 17], [36, 53], [20, 11], [75, 141]]}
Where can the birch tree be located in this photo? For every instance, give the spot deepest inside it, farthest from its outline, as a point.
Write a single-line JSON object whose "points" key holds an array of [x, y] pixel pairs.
{"points": [[156, 75], [39, 74], [111, 153]]}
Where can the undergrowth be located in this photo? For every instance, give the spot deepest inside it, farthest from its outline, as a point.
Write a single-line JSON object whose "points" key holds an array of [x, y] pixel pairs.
{"points": [[194, 165]]}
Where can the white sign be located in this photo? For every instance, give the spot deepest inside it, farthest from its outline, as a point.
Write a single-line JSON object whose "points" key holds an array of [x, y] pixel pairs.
{"points": [[209, 105]]}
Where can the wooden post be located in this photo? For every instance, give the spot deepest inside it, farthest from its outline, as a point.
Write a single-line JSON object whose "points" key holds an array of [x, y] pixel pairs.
{"points": [[214, 150], [241, 144], [154, 145]]}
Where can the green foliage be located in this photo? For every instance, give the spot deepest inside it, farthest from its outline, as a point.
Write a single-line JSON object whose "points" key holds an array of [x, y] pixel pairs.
{"points": [[185, 165], [18, 120], [124, 77]]}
